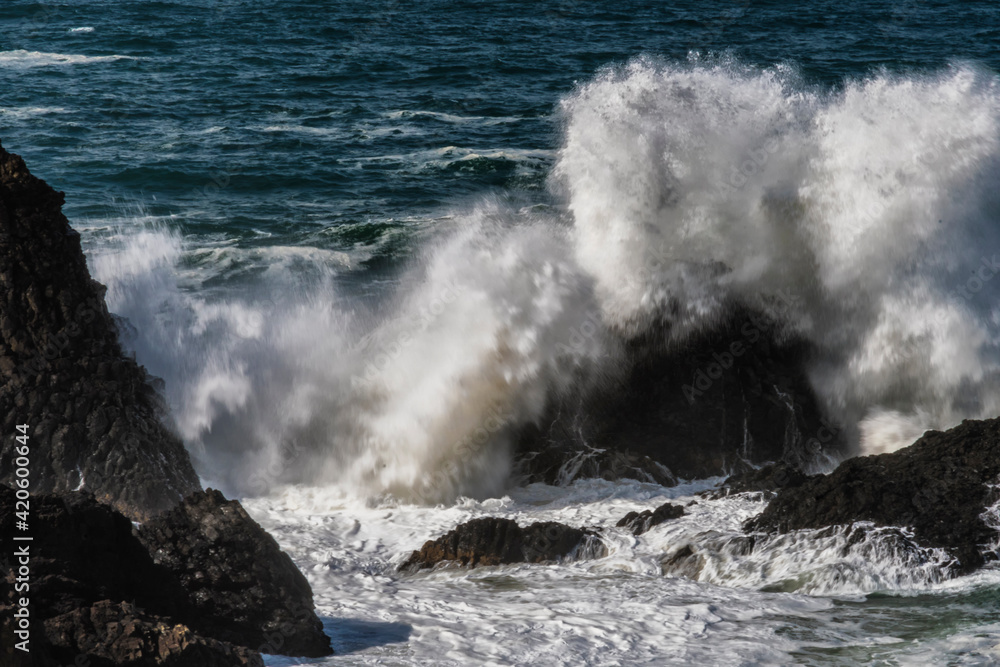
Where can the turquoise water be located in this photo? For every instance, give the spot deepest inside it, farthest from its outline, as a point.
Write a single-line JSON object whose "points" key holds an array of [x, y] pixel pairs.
{"points": [[281, 195]]}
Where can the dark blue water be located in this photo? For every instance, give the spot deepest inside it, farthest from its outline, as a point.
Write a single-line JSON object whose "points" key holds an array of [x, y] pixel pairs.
{"points": [[339, 123]]}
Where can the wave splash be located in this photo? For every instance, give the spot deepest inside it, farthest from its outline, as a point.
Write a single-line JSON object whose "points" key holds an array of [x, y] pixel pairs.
{"points": [[865, 219], [861, 218]]}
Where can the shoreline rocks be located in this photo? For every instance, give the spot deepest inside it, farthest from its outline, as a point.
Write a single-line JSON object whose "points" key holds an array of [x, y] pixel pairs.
{"points": [[727, 398], [93, 418], [119, 633], [640, 522], [496, 541], [941, 487], [104, 589], [768, 480], [241, 587]]}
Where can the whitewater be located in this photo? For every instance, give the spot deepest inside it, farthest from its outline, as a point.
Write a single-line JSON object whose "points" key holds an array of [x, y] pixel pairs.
{"points": [[357, 422]]}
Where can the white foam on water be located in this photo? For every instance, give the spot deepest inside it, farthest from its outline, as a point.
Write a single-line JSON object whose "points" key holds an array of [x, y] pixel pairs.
{"points": [[770, 605], [405, 114], [21, 58], [19, 113]]}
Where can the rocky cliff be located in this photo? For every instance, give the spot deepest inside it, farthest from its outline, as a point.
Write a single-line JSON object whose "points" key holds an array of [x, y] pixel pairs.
{"points": [[92, 416]]}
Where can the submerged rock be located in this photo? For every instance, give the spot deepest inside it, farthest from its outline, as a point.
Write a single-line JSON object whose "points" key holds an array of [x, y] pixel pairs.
{"points": [[93, 419], [942, 487], [241, 586], [496, 541], [640, 522], [734, 395]]}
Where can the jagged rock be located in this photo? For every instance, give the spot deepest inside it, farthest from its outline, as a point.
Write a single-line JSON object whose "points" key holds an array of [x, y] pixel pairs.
{"points": [[736, 394], [496, 541], [940, 486], [242, 588], [85, 564], [117, 633], [93, 419], [640, 522], [767, 479], [221, 575], [81, 552]]}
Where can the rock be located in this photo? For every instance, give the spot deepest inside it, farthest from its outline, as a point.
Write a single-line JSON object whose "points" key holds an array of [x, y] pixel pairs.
{"points": [[734, 395], [767, 479], [640, 522], [93, 420], [90, 582], [118, 633], [82, 552], [241, 587], [213, 570], [560, 467], [940, 486], [496, 541]]}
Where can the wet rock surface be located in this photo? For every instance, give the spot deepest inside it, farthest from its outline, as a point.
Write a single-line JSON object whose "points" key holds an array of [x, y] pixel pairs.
{"points": [[496, 541], [640, 522], [93, 418], [118, 633], [735, 395], [768, 479], [84, 551], [940, 486], [241, 587], [88, 565]]}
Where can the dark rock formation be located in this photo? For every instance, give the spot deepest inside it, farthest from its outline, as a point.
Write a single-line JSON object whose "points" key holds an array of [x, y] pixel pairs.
{"points": [[87, 562], [560, 466], [241, 587], [83, 551], [735, 395], [118, 633], [767, 479], [91, 581], [939, 486], [640, 522], [93, 419], [495, 541]]}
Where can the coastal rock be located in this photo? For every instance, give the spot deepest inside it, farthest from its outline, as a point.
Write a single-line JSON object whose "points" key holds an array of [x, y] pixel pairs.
{"points": [[942, 487], [496, 541], [93, 419], [90, 581], [212, 569], [768, 479], [119, 633], [556, 466], [729, 397], [241, 587], [83, 551], [640, 522]]}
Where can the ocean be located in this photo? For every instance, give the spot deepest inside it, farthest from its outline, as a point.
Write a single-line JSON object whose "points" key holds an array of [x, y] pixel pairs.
{"points": [[362, 241]]}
